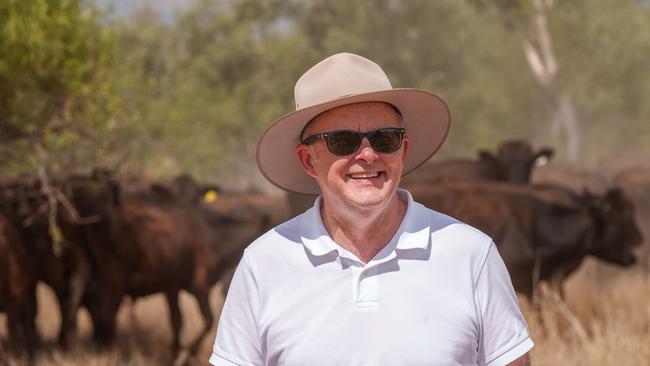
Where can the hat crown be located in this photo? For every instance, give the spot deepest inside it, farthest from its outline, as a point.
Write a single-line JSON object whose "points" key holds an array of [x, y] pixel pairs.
{"points": [[339, 76]]}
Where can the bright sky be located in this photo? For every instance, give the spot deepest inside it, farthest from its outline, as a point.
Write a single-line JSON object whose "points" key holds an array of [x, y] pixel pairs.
{"points": [[165, 7]]}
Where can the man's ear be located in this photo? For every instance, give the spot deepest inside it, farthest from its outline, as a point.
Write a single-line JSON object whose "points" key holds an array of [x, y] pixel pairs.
{"points": [[306, 159]]}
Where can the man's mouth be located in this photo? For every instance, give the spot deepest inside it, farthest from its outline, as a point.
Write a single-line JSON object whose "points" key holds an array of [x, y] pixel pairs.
{"points": [[365, 175]]}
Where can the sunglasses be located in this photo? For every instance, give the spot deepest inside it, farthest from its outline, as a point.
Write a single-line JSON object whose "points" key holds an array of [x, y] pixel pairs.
{"points": [[345, 142]]}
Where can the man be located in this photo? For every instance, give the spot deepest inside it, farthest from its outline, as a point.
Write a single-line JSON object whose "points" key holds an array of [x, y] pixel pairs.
{"points": [[366, 276]]}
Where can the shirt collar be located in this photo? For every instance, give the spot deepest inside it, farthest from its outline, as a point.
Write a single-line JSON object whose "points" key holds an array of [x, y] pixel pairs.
{"points": [[313, 233], [413, 232]]}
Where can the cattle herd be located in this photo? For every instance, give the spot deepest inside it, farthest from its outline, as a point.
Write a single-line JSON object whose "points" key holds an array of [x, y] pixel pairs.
{"points": [[95, 239]]}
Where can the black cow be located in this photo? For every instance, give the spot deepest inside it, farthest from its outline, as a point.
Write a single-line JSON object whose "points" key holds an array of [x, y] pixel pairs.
{"points": [[58, 257], [513, 162], [17, 288], [635, 182], [56, 222], [542, 232]]}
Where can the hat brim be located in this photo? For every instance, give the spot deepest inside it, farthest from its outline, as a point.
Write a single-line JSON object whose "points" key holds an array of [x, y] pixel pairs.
{"points": [[426, 118]]}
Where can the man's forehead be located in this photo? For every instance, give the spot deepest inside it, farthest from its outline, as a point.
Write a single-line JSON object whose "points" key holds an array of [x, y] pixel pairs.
{"points": [[351, 115]]}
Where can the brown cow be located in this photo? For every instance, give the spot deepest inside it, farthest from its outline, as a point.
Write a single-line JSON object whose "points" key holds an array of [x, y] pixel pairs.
{"points": [[542, 232], [17, 288], [161, 242], [513, 162], [571, 177]]}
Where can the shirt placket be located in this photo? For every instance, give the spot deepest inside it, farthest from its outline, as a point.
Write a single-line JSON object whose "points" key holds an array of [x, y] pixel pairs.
{"points": [[365, 287]]}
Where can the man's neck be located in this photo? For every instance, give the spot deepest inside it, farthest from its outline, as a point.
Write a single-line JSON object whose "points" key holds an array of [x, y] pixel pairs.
{"points": [[364, 232]]}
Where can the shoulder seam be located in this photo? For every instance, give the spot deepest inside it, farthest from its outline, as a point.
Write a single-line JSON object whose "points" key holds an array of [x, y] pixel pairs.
{"points": [[479, 270], [252, 274], [249, 269]]}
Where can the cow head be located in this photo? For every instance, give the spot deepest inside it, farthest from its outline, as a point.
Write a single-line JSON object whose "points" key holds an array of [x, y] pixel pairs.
{"points": [[23, 201], [95, 194], [616, 231], [515, 160], [184, 190], [189, 191], [12, 198]]}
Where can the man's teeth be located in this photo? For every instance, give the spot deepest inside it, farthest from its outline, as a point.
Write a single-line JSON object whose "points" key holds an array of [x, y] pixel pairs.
{"points": [[364, 175]]}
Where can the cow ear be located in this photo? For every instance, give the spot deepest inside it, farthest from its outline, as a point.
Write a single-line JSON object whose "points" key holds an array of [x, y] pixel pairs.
{"points": [[543, 156], [485, 155], [615, 197], [102, 173], [589, 198], [116, 191], [601, 204], [615, 193], [162, 192]]}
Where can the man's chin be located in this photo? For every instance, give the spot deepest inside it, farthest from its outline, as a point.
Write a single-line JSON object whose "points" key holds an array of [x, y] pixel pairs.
{"points": [[368, 197]]}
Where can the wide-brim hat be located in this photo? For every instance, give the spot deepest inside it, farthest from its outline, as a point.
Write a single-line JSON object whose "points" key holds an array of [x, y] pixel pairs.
{"points": [[339, 80]]}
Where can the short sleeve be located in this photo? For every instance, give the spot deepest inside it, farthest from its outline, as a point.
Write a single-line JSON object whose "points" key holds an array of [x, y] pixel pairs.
{"points": [[503, 330], [237, 341]]}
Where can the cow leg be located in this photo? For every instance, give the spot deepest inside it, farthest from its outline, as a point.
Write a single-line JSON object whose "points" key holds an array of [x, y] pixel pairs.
{"points": [[3, 355], [29, 321], [67, 325], [104, 321], [21, 315], [103, 300], [175, 318], [16, 329], [107, 321], [77, 285], [202, 296], [19, 338]]}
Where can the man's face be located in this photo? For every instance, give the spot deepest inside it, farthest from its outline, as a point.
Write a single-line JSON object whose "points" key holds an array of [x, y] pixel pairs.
{"points": [[365, 178]]}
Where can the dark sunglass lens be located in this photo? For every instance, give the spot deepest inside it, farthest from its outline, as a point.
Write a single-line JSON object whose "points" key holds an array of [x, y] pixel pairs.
{"points": [[386, 140], [343, 142]]}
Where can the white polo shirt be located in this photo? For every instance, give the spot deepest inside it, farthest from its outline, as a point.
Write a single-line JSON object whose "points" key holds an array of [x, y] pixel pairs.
{"points": [[437, 294]]}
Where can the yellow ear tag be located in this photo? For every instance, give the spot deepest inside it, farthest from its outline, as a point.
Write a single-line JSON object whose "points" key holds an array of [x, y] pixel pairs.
{"points": [[210, 196]]}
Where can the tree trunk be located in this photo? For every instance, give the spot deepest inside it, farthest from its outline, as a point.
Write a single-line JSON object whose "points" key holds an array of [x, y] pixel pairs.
{"points": [[542, 62], [566, 120]]}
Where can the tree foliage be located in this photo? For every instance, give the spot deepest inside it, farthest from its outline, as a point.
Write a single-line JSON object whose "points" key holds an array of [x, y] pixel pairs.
{"points": [[55, 93], [193, 94]]}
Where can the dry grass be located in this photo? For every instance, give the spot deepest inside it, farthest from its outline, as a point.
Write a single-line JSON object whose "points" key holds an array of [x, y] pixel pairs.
{"points": [[604, 320], [144, 333]]}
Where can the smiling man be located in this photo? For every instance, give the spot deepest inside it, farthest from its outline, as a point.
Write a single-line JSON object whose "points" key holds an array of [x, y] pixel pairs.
{"points": [[367, 276]]}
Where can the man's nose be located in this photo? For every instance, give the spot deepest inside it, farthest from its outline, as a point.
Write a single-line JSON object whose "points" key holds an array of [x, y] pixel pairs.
{"points": [[366, 152]]}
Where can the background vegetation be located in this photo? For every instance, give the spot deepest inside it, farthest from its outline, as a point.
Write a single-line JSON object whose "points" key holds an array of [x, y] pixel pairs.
{"points": [[81, 87]]}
